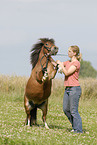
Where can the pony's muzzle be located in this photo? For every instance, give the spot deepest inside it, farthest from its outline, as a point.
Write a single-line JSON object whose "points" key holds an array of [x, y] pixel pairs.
{"points": [[54, 50]]}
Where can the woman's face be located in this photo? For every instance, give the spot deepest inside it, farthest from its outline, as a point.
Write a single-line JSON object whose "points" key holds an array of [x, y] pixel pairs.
{"points": [[70, 53]]}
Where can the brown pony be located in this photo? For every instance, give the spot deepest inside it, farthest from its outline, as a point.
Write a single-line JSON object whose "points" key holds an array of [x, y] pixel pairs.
{"points": [[38, 87]]}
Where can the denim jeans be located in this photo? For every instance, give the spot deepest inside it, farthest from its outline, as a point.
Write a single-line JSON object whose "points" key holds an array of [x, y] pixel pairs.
{"points": [[70, 106]]}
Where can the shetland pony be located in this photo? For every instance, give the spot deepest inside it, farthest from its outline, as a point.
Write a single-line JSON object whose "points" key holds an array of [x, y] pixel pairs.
{"points": [[38, 88]]}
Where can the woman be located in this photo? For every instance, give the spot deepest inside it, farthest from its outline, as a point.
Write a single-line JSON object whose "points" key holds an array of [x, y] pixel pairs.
{"points": [[72, 93]]}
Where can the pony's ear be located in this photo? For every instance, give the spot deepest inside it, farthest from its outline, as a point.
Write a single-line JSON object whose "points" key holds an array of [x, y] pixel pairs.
{"points": [[43, 40], [52, 41]]}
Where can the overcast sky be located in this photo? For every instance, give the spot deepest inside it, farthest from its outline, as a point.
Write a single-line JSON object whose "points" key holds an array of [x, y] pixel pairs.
{"points": [[23, 22]]}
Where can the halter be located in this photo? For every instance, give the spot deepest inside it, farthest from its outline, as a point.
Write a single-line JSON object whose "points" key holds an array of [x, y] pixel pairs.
{"points": [[45, 68], [48, 48], [45, 55]]}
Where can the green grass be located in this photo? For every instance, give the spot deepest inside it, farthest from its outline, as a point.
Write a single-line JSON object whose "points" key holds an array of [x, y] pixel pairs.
{"points": [[12, 117]]}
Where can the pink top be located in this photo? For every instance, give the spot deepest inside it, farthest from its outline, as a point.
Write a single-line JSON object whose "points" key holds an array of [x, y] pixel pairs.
{"points": [[72, 80]]}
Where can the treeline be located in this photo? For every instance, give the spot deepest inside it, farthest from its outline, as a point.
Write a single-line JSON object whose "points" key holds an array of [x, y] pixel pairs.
{"points": [[87, 70]]}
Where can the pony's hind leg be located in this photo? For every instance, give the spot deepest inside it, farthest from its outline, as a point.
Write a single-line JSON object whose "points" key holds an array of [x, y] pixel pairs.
{"points": [[27, 110], [28, 123], [33, 114], [44, 110]]}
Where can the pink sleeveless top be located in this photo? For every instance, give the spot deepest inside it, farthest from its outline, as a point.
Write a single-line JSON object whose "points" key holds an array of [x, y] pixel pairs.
{"points": [[72, 80]]}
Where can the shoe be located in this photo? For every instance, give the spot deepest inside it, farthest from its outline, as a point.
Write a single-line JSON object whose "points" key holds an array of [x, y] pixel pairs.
{"points": [[72, 130], [77, 131]]}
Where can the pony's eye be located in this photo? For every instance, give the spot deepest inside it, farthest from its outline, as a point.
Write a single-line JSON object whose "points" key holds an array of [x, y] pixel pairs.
{"points": [[47, 44]]}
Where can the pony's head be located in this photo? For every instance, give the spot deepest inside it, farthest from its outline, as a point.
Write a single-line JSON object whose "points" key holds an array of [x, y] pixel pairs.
{"points": [[48, 46]]}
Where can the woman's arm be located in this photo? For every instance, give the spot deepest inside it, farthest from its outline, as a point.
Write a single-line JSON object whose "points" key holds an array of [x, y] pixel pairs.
{"points": [[68, 72]]}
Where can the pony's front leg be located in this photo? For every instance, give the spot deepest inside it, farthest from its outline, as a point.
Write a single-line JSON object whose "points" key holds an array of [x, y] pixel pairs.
{"points": [[53, 69], [41, 76], [53, 73]]}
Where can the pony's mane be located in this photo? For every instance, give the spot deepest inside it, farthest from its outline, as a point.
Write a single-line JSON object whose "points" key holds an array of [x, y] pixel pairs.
{"points": [[36, 50]]}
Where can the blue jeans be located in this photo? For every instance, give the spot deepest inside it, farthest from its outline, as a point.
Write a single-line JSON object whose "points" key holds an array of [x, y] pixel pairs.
{"points": [[70, 107]]}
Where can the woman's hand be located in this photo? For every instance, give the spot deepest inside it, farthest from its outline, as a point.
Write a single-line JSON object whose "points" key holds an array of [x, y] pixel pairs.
{"points": [[59, 62], [60, 70]]}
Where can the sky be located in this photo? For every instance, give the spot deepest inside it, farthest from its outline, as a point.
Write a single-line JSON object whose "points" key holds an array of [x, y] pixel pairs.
{"points": [[23, 22]]}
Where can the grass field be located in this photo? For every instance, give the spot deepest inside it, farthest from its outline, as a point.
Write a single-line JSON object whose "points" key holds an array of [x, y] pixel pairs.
{"points": [[12, 115]]}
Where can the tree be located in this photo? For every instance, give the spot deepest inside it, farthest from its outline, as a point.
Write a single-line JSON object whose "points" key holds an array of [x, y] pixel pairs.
{"points": [[87, 70]]}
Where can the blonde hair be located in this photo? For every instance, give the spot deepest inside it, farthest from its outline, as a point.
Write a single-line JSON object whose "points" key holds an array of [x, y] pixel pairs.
{"points": [[76, 49]]}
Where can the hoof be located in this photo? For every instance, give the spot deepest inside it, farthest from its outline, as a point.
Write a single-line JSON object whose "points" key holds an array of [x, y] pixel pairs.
{"points": [[45, 76], [46, 126]]}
